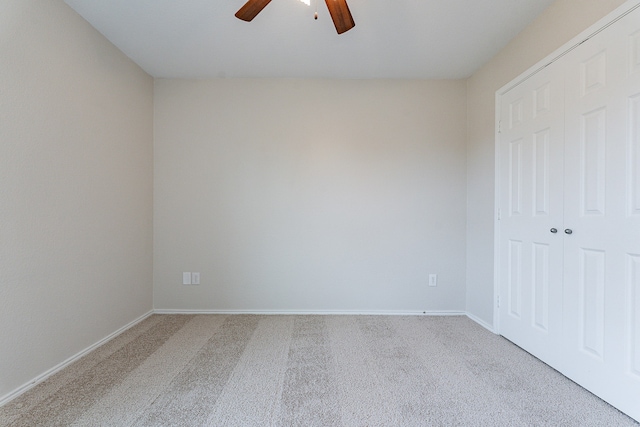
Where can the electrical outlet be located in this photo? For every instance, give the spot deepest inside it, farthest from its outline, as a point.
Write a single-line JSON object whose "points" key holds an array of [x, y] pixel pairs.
{"points": [[433, 280], [186, 278], [195, 278]]}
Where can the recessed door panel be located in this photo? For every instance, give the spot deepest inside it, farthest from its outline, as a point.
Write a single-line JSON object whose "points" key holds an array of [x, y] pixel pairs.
{"points": [[516, 113], [541, 172], [592, 156], [592, 282], [593, 73], [515, 277], [542, 99], [633, 286], [515, 174], [541, 286], [633, 175], [634, 53]]}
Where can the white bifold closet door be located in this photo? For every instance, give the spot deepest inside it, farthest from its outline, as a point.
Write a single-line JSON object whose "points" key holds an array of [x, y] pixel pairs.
{"points": [[569, 232], [531, 214]]}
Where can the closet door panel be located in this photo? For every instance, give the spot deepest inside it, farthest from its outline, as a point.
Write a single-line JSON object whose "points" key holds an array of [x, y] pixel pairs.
{"points": [[600, 171], [629, 226], [531, 147], [632, 352]]}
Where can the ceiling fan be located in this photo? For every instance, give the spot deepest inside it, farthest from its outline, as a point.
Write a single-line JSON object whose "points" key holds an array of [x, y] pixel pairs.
{"points": [[338, 9]]}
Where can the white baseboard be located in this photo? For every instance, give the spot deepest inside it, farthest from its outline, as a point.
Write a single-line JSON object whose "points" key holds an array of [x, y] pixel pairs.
{"points": [[481, 323], [317, 312], [37, 380]]}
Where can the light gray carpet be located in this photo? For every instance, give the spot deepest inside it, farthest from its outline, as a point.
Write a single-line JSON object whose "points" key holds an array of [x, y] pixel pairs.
{"points": [[244, 370]]}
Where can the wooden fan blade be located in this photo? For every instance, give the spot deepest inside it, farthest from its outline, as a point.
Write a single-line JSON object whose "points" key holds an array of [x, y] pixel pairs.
{"points": [[340, 14], [251, 9]]}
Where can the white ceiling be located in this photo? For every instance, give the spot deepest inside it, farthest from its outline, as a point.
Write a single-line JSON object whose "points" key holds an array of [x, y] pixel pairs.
{"points": [[392, 38]]}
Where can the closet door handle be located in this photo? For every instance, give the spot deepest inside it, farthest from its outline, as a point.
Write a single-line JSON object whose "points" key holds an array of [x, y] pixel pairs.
{"points": [[568, 231], [554, 230]]}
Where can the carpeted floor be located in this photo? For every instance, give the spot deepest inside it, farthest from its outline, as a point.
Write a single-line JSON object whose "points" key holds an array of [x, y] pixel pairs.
{"points": [[244, 370]]}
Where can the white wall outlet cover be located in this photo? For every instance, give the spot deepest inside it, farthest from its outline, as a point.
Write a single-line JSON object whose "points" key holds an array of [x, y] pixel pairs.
{"points": [[186, 278], [433, 280]]}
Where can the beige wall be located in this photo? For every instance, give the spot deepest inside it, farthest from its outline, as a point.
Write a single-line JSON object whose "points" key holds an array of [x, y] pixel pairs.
{"points": [[75, 188], [556, 26], [309, 194]]}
